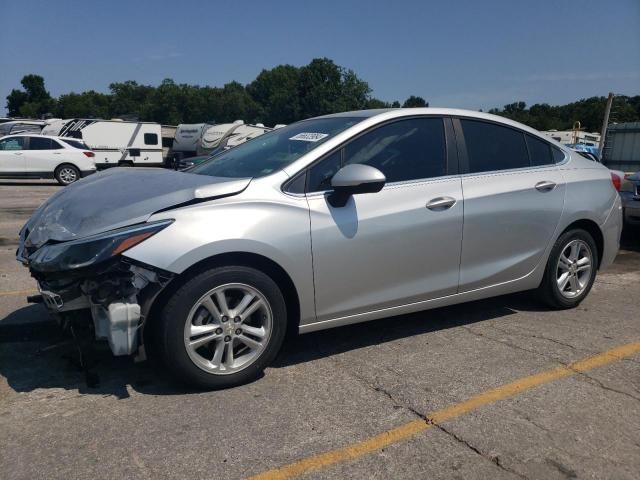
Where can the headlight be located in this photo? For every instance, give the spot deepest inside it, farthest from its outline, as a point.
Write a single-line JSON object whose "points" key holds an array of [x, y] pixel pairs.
{"points": [[91, 250]]}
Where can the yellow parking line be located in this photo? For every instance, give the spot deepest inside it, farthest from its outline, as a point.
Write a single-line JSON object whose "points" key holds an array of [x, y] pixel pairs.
{"points": [[359, 449], [18, 292]]}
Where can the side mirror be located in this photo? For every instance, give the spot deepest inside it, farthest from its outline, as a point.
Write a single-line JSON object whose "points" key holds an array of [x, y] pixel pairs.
{"points": [[352, 180]]}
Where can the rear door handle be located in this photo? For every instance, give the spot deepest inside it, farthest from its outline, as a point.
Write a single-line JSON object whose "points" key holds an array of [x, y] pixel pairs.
{"points": [[17, 153], [545, 186], [441, 203]]}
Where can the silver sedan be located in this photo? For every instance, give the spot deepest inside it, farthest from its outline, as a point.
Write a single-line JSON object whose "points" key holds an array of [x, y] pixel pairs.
{"points": [[326, 222]]}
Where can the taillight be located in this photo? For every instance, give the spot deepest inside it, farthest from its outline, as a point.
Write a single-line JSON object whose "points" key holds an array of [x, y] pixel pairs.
{"points": [[617, 182], [89, 154]]}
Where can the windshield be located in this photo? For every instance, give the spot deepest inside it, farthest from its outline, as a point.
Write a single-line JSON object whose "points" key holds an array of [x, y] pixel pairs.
{"points": [[275, 150]]}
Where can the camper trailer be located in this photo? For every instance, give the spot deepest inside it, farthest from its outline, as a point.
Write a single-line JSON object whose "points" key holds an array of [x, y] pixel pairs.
{"points": [[118, 143], [187, 139], [21, 126], [54, 126], [228, 135]]}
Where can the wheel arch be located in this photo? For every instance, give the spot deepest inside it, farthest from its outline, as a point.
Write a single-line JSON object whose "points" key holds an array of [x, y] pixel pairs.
{"points": [[592, 229], [244, 259], [66, 162]]}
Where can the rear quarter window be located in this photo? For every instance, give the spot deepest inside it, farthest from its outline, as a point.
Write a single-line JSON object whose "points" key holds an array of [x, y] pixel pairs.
{"points": [[539, 151], [76, 144], [493, 147]]}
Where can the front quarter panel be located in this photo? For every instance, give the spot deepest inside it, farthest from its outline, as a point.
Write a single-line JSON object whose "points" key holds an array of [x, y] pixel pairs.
{"points": [[276, 228]]}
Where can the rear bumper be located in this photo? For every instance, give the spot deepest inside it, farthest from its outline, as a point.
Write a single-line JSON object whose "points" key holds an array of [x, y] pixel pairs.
{"points": [[86, 173], [611, 231]]}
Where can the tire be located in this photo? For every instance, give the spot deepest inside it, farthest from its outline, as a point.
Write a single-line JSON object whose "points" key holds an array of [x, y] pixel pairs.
{"points": [[66, 174], [579, 279], [187, 319]]}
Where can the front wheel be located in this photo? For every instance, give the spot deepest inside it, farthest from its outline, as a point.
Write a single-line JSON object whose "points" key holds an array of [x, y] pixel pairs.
{"points": [[571, 270], [222, 327], [67, 174]]}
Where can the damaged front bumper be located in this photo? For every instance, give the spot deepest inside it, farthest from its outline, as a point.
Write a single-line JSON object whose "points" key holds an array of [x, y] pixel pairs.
{"points": [[89, 275], [117, 295]]}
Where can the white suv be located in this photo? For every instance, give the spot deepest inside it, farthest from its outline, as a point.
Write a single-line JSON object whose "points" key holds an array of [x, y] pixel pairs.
{"points": [[41, 156]]}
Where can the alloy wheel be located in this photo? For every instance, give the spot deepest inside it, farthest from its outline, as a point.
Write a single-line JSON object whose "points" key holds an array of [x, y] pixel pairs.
{"points": [[228, 328], [68, 175], [574, 268]]}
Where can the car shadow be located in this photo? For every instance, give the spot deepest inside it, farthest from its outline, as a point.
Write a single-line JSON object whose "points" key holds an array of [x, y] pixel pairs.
{"points": [[27, 183], [35, 354]]}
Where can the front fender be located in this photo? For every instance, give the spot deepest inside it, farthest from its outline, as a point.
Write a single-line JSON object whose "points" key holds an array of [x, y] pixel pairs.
{"points": [[279, 231]]}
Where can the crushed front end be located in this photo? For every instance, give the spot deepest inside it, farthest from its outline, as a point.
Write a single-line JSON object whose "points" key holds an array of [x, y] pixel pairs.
{"points": [[89, 278]]}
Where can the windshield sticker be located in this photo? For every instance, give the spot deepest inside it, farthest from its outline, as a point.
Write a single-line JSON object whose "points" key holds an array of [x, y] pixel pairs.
{"points": [[309, 136]]}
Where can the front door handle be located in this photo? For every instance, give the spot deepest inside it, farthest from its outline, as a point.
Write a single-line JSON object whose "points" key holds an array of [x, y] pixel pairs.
{"points": [[441, 203], [17, 153], [545, 186]]}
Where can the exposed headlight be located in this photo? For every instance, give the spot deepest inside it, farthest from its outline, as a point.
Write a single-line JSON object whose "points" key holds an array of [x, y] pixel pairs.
{"points": [[91, 250]]}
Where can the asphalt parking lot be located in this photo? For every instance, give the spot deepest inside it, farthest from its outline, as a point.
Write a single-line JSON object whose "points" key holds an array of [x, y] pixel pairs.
{"points": [[493, 389]]}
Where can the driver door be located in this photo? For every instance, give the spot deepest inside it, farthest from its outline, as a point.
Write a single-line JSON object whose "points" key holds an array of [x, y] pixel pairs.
{"points": [[397, 246]]}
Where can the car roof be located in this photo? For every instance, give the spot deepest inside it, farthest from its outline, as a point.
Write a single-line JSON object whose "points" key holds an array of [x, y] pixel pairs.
{"points": [[391, 113]]}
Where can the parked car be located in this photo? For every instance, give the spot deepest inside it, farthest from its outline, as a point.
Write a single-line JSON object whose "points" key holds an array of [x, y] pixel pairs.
{"points": [[40, 156], [630, 193], [326, 222]]}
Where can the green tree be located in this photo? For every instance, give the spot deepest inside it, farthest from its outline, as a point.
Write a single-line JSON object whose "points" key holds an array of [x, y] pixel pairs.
{"points": [[415, 102], [89, 104], [373, 103], [33, 101], [129, 98], [324, 87], [276, 91]]}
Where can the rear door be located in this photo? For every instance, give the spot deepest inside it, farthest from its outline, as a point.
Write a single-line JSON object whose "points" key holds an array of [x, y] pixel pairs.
{"points": [[513, 197], [44, 155], [397, 246], [13, 160]]}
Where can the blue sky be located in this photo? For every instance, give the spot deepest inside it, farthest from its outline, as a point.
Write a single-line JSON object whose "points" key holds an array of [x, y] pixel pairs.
{"points": [[470, 54]]}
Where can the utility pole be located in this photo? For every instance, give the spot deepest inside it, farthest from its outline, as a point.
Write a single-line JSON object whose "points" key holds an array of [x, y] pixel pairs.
{"points": [[605, 124]]}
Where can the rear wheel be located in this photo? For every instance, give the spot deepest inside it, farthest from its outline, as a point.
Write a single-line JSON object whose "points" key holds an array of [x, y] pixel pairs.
{"points": [[222, 327], [571, 270], [66, 174]]}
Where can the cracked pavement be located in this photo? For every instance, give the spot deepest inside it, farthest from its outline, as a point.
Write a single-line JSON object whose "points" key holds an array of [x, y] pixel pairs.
{"points": [[333, 388]]}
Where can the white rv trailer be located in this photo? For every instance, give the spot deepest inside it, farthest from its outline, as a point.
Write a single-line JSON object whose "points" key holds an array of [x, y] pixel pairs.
{"points": [[21, 126], [118, 143], [229, 135], [54, 126], [187, 139]]}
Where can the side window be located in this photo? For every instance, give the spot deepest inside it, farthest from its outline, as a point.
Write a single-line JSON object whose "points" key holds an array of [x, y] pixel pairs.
{"points": [[409, 149], [39, 143], [55, 145], [12, 143], [493, 147], [151, 139], [539, 151], [558, 155], [320, 174]]}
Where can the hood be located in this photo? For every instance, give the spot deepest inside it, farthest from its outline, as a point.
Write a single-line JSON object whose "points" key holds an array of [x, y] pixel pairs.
{"points": [[119, 197]]}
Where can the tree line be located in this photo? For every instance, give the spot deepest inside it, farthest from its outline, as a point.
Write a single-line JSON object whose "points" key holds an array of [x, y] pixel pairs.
{"points": [[282, 94]]}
